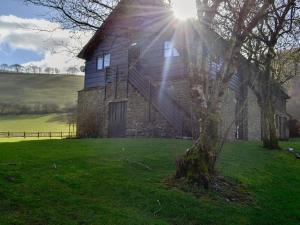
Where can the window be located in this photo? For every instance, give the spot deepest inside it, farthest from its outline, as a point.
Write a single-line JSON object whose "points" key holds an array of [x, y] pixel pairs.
{"points": [[103, 62], [106, 62], [170, 50], [100, 63]]}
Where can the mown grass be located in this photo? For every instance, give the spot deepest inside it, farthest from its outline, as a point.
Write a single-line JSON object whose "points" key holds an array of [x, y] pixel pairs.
{"points": [[34, 123], [120, 182]]}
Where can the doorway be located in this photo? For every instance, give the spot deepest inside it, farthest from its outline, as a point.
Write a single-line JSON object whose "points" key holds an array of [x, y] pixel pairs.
{"points": [[117, 119]]}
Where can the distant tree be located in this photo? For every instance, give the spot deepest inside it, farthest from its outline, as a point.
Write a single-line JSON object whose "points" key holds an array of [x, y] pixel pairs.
{"points": [[273, 48], [4, 67], [72, 70], [82, 69], [16, 68], [28, 69], [35, 69], [56, 70], [49, 70]]}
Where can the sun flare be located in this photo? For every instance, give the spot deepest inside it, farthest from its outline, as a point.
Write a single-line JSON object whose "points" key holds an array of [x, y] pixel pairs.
{"points": [[184, 9]]}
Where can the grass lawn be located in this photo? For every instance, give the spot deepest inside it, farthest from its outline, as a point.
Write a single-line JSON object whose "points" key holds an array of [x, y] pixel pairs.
{"points": [[32, 123], [120, 182]]}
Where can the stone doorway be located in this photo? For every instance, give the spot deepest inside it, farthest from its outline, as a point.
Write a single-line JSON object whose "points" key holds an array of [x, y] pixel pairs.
{"points": [[117, 119]]}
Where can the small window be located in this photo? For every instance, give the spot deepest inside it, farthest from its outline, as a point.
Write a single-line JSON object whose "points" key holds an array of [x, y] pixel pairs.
{"points": [[106, 62], [103, 62], [170, 50], [100, 63]]}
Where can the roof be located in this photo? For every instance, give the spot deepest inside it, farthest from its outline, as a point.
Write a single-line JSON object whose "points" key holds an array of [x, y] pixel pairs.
{"points": [[94, 41]]}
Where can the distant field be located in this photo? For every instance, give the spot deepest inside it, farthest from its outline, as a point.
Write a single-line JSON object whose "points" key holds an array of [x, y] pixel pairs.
{"points": [[32, 123], [28, 89]]}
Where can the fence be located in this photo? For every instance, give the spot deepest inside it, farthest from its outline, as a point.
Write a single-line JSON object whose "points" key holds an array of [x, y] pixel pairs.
{"points": [[50, 135]]}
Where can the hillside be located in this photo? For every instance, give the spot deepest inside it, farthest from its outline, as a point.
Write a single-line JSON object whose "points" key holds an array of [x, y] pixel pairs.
{"points": [[32, 90]]}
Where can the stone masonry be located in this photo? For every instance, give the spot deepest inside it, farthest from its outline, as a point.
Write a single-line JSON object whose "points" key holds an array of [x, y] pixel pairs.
{"points": [[143, 120]]}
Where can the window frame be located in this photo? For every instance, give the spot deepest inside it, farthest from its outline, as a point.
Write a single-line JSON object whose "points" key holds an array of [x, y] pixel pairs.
{"points": [[171, 50], [103, 61]]}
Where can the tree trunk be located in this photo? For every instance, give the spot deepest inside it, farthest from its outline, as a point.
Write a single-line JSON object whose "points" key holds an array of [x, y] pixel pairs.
{"points": [[198, 164], [269, 136]]}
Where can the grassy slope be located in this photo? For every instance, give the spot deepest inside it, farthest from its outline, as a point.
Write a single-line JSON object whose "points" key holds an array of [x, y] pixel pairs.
{"points": [[32, 123], [106, 182], [29, 89]]}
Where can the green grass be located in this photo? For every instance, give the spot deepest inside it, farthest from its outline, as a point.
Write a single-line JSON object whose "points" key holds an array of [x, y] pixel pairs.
{"points": [[121, 182], [34, 123], [28, 89]]}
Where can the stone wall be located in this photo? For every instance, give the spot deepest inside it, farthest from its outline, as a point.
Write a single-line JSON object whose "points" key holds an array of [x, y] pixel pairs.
{"points": [[254, 116], [143, 120], [179, 90], [91, 113], [228, 113]]}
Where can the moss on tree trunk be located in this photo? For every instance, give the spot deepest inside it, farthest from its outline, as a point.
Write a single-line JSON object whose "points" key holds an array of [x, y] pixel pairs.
{"points": [[198, 164]]}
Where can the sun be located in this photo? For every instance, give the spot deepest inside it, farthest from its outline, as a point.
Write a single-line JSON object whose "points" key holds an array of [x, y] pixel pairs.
{"points": [[184, 9]]}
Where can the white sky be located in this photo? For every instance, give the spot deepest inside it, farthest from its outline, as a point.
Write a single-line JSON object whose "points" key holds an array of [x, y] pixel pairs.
{"points": [[184, 8], [24, 33]]}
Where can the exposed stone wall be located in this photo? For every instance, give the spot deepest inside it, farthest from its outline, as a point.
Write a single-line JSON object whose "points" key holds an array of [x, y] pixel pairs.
{"points": [[91, 113], [228, 113], [179, 90], [143, 120], [254, 116], [282, 118]]}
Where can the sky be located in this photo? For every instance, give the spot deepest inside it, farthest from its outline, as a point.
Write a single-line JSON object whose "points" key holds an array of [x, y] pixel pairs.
{"points": [[22, 42]]}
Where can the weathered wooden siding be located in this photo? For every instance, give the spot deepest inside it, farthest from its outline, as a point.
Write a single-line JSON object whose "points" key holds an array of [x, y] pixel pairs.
{"points": [[149, 33]]}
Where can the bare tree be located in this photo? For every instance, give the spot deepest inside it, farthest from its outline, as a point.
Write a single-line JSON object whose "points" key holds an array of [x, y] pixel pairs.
{"points": [[233, 20], [82, 69], [16, 68], [3, 67], [35, 69], [49, 70], [56, 71], [273, 48], [78, 14], [72, 70]]}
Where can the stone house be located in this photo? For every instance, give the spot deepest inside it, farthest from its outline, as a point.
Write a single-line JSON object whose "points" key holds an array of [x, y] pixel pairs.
{"points": [[136, 79]]}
